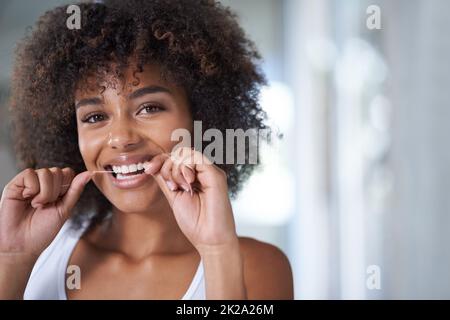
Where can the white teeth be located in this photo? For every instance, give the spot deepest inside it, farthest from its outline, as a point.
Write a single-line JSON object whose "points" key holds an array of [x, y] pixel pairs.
{"points": [[133, 168], [124, 169], [122, 177]]}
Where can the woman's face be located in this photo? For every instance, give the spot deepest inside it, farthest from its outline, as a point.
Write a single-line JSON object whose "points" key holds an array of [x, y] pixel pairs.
{"points": [[125, 126]]}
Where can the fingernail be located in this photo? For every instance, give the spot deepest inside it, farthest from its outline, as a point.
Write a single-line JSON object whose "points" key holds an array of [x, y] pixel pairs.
{"points": [[172, 186], [186, 188], [186, 175]]}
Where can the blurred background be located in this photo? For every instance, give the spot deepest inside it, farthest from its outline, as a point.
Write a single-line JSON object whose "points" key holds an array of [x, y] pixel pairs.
{"points": [[356, 192]]}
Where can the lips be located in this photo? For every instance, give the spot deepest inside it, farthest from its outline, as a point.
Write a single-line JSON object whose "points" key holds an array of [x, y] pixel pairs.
{"points": [[128, 170]]}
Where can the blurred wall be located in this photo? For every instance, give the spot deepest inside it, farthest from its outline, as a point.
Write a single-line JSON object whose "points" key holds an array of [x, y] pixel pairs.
{"points": [[417, 237]]}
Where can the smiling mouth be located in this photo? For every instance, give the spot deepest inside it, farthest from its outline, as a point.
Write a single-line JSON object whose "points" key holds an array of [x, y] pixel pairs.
{"points": [[123, 172]]}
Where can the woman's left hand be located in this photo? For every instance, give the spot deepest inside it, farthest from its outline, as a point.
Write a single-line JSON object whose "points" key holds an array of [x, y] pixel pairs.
{"points": [[197, 192]]}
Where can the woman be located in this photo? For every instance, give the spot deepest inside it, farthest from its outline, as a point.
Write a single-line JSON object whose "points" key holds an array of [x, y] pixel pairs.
{"points": [[106, 197]]}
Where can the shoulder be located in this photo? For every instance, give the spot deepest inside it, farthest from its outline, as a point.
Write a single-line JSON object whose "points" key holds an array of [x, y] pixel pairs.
{"points": [[267, 270]]}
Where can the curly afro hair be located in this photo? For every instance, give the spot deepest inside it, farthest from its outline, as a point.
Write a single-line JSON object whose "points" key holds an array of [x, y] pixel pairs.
{"points": [[197, 43]]}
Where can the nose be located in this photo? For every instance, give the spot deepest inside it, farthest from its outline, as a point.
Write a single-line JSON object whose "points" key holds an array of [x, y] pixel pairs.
{"points": [[122, 135]]}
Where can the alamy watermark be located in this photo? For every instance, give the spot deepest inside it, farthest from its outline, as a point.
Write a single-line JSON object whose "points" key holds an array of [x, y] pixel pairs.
{"points": [[236, 147], [73, 280], [73, 22], [373, 21], [373, 281]]}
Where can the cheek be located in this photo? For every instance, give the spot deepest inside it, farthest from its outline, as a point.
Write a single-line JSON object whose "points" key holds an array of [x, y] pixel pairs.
{"points": [[89, 145], [161, 132]]}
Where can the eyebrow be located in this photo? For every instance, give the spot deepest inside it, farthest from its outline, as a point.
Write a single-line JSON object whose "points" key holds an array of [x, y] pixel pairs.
{"points": [[147, 90], [88, 101], [134, 95]]}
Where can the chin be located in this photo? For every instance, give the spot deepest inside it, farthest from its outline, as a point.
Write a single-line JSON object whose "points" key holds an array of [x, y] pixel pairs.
{"points": [[136, 201]]}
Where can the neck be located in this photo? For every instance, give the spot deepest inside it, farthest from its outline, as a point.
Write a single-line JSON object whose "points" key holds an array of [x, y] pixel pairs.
{"points": [[140, 235]]}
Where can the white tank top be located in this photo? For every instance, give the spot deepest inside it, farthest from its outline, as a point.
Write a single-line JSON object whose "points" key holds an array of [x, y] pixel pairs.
{"points": [[47, 280]]}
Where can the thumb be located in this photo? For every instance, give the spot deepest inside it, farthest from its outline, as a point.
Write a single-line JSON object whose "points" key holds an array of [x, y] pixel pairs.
{"points": [[76, 188]]}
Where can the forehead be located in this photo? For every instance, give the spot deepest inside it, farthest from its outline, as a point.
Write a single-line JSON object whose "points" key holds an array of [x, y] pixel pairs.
{"points": [[130, 79]]}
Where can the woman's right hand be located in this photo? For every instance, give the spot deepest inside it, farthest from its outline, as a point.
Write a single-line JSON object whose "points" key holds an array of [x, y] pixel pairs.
{"points": [[34, 207]]}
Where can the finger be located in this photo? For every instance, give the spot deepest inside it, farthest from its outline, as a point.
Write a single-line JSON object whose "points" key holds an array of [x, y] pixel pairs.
{"points": [[155, 164], [186, 169], [177, 154], [194, 159], [68, 175], [202, 169], [166, 173], [186, 165], [57, 183], [159, 168], [178, 177], [45, 188], [30, 184], [75, 190], [25, 185], [168, 190], [188, 173]]}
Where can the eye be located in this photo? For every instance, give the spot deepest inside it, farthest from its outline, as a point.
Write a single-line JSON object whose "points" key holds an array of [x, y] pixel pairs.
{"points": [[93, 118], [150, 109]]}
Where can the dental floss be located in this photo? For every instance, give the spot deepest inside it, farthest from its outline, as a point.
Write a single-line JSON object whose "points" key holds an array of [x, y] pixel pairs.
{"points": [[67, 185]]}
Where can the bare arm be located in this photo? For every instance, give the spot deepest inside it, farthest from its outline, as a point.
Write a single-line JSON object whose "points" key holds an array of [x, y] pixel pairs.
{"points": [[224, 273], [15, 270]]}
